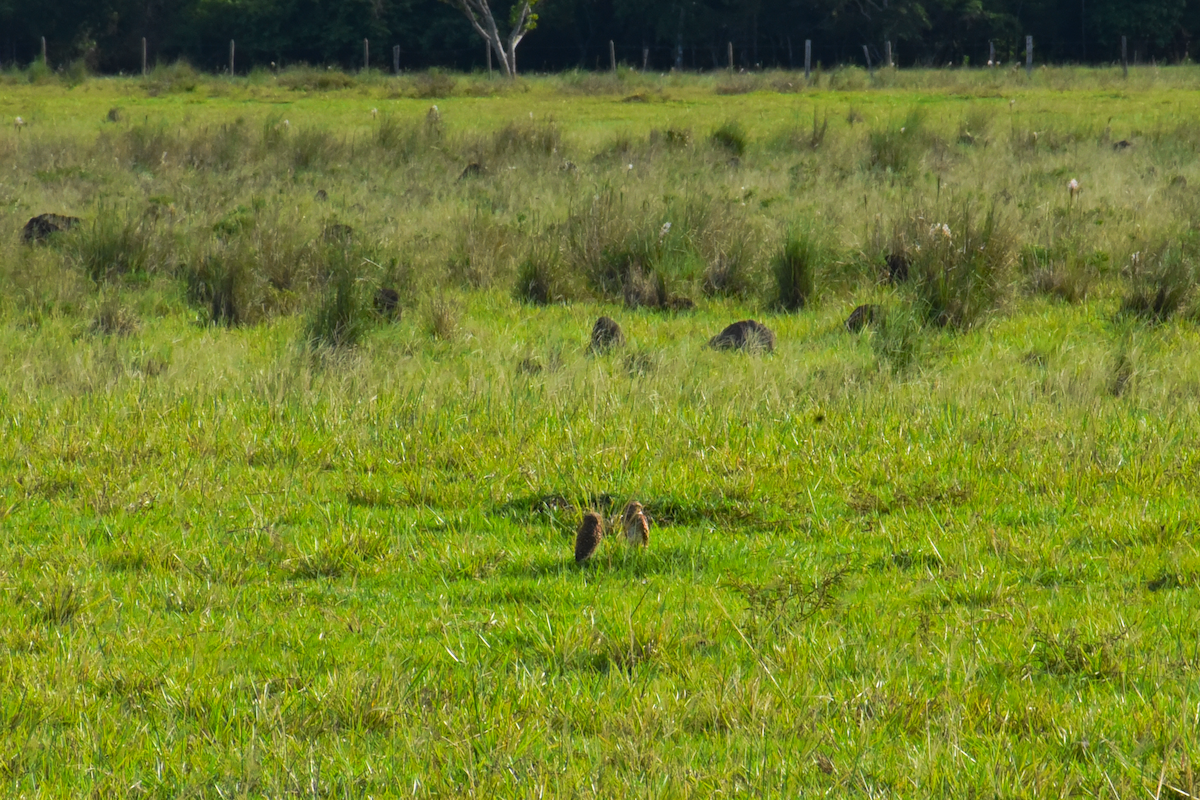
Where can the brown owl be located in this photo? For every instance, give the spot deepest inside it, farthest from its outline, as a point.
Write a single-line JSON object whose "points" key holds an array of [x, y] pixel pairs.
{"points": [[591, 531], [637, 527]]}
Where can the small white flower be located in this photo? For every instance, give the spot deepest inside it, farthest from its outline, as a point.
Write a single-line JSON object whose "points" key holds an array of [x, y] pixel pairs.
{"points": [[940, 229], [20, 122], [629, 167], [1011, 103], [1073, 187], [664, 230], [902, 130], [374, 112], [287, 123]]}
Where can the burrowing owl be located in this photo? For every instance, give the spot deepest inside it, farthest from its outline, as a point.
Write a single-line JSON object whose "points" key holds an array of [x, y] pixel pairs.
{"points": [[637, 527], [591, 531]]}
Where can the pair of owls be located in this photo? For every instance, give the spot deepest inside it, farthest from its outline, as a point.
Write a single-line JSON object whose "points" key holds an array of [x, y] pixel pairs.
{"points": [[591, 530]]}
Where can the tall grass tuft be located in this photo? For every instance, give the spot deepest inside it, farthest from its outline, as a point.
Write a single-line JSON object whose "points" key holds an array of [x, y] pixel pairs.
{"points": [[58, 603], [1162, 279], [442, 318], [516, 138], [220, 284], [541, 278], [313, 148], [961, 268], [1061, 273], [795, 267], [897, 148], [600, 241], [731, 136], [113, 318], [112, 246], [342, 315], [897, 343]]}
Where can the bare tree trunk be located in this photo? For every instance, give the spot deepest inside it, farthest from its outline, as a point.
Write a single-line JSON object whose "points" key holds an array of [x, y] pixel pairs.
{"points": [[479, 14]]}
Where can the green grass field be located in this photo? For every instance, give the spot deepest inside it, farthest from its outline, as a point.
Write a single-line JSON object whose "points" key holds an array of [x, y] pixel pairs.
{"points": [[258, 540]]}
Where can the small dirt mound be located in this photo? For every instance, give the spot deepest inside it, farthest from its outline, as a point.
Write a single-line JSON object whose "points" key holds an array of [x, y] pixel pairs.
{"points": [[321, 195], [864, 316], [588, 537], [43, 226], [745, 335], [897, 267], [387, 303], [1124, 144], [473, 170], [606, 334]]}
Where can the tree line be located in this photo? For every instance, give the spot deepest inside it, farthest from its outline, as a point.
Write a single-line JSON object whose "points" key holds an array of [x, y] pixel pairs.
{"points": [[693, 34]]}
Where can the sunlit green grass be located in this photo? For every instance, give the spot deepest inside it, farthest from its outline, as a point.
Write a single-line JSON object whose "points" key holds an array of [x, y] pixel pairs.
{"points": [[916, 562]]}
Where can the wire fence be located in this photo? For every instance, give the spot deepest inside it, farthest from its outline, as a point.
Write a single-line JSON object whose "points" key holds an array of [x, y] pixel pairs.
{"points": [[779, 51]]}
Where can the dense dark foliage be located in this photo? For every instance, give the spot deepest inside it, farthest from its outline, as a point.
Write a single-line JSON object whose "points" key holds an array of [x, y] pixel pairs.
{"points": [[575, 33]]}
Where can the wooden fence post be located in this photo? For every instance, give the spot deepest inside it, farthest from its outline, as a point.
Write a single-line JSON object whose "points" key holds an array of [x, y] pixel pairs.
{"points": [[731, 56], [645, 58], [612, 55], [45, 63], [395, 59], [807, 58], [1124, 57], [366, 54], [143, 56], [867, 53], [991, 54], [1028, 55], [231, 58], [887, 47]]}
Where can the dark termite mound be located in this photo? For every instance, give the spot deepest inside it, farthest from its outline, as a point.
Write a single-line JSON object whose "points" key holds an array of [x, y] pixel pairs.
{"points": [[43, 226], [864, 316], [387, 303], [745, 335], [473, 170], [897, 267], [606, 334]]}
